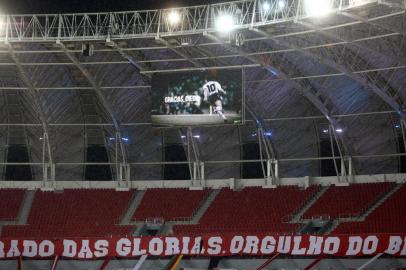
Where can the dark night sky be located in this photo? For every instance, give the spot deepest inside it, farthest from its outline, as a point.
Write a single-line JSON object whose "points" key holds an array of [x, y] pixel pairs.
{"points": [[66, 6]]}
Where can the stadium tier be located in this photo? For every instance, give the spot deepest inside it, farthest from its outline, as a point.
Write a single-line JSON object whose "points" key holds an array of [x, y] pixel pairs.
{"points": [[252, 209], [172, 204], [389, 217], [346, 201], [74, 213], [96, 213]]}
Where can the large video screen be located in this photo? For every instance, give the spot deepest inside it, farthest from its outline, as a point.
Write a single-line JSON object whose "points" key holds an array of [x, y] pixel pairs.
{"points": [[208, 97]]}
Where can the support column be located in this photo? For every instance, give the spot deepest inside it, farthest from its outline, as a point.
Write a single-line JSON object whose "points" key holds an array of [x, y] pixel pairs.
{"points": [[55, 263], [268, 262], [20, 263], [313, 263], [140, 262], [370, 261], [105, 263], [175, 263]]}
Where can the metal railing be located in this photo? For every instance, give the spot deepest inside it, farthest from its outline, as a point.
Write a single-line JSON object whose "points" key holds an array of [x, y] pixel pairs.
{"points": [[122, 171]]}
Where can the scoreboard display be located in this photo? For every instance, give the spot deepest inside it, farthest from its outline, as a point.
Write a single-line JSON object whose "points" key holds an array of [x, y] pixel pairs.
{"points": [[208, 97]]}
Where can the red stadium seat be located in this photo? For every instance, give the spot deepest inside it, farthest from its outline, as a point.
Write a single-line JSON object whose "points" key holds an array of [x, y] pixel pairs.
{"points": [[170, 204], [387, 218], [10, 202], [347, 201], [88, 213], [251, 210]]}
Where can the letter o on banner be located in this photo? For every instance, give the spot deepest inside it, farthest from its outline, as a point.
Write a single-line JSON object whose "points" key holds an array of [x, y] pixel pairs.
{"points": [[331, 245], [46, 249], [370, 245], [156, 246], [236, 245]]}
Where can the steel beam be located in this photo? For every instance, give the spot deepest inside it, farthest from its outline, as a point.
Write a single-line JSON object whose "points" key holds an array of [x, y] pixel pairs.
{"points": [[177, 51], [36, 102], [149, 23], [373, 23], [100, 95], [124, 54], [362, 267], [55, 263], [140, 262], [307, 92], [20, 263], [105, 263], [340, 67], [268, 262], [313, 263]]}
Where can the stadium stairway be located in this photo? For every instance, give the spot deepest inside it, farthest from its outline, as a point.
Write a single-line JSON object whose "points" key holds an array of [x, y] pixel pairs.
{"points": [[369, 210], [23, 211], [135, 202], [25, 207], [297, 218], [379, 202], [166, 228], [205, 205]]}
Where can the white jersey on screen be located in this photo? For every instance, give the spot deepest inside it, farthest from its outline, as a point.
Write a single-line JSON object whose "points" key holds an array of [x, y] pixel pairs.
{"points": [[211, 88]]}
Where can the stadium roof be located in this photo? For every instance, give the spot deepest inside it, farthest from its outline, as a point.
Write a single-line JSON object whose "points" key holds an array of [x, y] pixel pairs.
{"points": [[340, 76]]}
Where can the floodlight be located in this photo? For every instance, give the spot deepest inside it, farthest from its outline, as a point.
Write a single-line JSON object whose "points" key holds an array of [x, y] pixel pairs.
{"points": [[266, 6], [317, 7], [173, 17], [225, 23], [281, 4], [339, 130]]}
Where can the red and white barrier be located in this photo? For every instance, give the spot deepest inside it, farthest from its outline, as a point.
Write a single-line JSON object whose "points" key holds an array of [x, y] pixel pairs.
{"points": [[207, 245]]}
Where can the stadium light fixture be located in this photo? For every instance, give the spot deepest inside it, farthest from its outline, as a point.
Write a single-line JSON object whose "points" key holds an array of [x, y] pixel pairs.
{"points": [[125, 139], [173, 18], [397, 126], [339, 130], [281, 4], [317, 8], [225, 23], [325, 130], [266, 6]]}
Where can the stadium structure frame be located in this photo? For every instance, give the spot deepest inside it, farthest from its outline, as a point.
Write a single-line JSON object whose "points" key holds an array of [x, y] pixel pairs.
{"points": [[253, 20], [155, 23]]}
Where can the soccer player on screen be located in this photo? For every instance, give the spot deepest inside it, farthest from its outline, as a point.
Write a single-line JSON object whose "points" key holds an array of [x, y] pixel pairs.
{"points": [[212, 91]]}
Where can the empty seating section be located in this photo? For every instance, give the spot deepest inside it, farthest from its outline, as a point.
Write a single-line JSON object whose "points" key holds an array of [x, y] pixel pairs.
{"points": [[73, 213], [10, 202], [96, 213], [170, 204], [347, 201], [387, 218], [251, 210]]}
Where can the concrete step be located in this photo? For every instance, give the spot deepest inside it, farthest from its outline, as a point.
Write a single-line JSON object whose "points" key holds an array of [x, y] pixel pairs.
{"points": [[297, 217], [135, 202], [379, 202], [204, 206], [25, 207]]}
